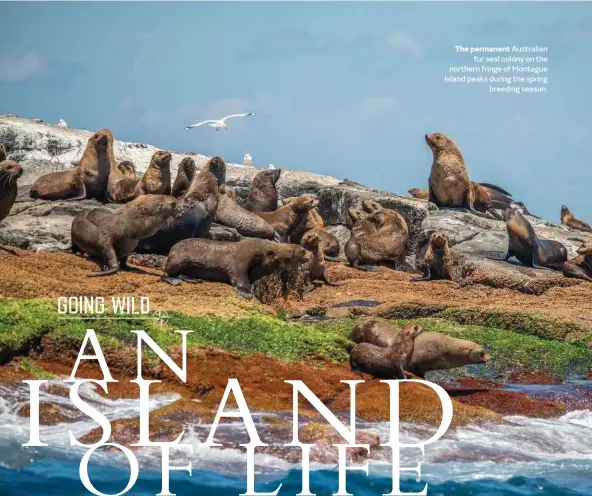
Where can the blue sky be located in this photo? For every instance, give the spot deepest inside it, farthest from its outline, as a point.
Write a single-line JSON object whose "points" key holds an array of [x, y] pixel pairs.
{"points": [[347, 89]]}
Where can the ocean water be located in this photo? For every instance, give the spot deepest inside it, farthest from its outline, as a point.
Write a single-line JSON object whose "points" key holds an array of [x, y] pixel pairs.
{"points": [[523, 457]]}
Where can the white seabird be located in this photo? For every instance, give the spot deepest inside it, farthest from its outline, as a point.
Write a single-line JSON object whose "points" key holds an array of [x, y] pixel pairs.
{"points": [[218, 123]]}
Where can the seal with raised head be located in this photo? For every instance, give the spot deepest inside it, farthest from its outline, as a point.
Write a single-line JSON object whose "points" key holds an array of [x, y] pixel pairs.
{"points": [[10, 171], [111, 237], [263, 196], [231, 214], [388, 362], [434, 351], [311, 241], [531, 250], [185, 174], [239, 263], [380, 332], [194, 213], [127, 168], [361, 223], [580, 267], [89, 179], [286, 219], [437, 260], [157, 178], [122, 182], [568, 219]]}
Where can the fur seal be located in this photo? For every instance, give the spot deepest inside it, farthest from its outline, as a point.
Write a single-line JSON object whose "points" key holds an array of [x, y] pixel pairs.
{"points": [[157, 178], [263, 196], [387, 246], [185, 174], [113, 236], [10, 171], [449, 183], [568, 219], [387, 362], [380, 332], [527, 247], [580, 267], [122, 182], [361, 223], [311, 241], [89, 179], [239, 263], [419, 193], [2, 153], [231, 214], [194, 212], [286, 219], [127, 168], [434, 351], [437, 261]]}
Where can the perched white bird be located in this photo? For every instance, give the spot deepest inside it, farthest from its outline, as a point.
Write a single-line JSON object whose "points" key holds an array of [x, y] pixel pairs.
{"points": [[62, 123], [247, 161], [271, 166], [218, 123]]}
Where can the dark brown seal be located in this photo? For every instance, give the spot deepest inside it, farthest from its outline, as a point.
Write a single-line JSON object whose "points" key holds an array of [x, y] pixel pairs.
{"points": [[89, 179], [185, 174], [112, 236], [239, 263], [311, 241], [10, 171], [388, 362], [580, 267], [247, 223], [193, 214], [288, 218], [157, 178], [568, 219], [434, 351], [437, 261], [2, 153], [122, 182], [419, 193], [531, 250], [380, 332], [263, 196], [361, 223]]}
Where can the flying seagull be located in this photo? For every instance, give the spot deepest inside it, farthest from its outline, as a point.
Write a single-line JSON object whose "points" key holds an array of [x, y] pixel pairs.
{"points": [[218, 123]]}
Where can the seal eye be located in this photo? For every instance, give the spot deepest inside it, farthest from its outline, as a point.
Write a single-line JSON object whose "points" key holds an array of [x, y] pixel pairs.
{"points": [[482, 354]]}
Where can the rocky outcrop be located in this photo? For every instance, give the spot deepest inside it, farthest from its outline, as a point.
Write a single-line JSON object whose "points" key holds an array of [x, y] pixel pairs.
{"points": [[45, 226]]}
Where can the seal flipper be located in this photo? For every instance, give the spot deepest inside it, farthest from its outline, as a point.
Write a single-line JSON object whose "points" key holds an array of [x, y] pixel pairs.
{"points": [[106, 272], [366, 268], [332, 259], [427, 276], [173, 281], [80, 196], [507, 256], [241, 283], [329, 283], [495, 187], [399, 373]]}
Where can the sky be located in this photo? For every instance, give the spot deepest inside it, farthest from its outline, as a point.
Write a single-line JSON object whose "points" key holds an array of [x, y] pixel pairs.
{"points": [[345, 89]]}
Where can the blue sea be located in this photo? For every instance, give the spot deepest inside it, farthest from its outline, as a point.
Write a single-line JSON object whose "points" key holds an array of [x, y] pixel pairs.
{"points": [[524, 456]]}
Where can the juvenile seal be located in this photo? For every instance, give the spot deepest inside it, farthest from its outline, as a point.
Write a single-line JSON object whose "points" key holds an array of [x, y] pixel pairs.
{"points": [[388, 362], [185, 174], [311, 241], [381, 333], [568, 219], [112, 236], [580, 267], [419, 193], [231, 214], [361, 223], [194, 212], [531, 250], [122, 182], [437, 261], [157, 178], [263, 196], [239, 263], [434, 351], [127, 168], [286, 219], [89, 179]]}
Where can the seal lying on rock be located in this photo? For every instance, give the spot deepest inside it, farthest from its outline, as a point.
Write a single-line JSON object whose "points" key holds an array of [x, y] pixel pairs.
{"points": [[113, 236], [231, 214], [434, 351], [185, 174], [89, 179], [10, 171], [263, 196], [388, 362], [194, 213], [419, 193], [311, 241], [157, 178], [580, 267], [527, 247], [568, 219], [239, 263], [286, 219], [437, 261]]}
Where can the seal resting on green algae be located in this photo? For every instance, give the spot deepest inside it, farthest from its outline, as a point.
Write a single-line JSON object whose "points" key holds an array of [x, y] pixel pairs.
{"points": [[194, 213], [568, 219], [381, 333], [311, 241], [434, 351], [185, 174], [580, 267], [437, 260], [286, 219], [386, 362], [89, 179], [239, 263], [113, 236], [531, 250], [157, 178], [263, 196]]}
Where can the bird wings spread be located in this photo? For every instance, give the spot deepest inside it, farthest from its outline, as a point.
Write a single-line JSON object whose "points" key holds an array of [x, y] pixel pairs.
{"points": [[200, 123], [235, 115]]}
